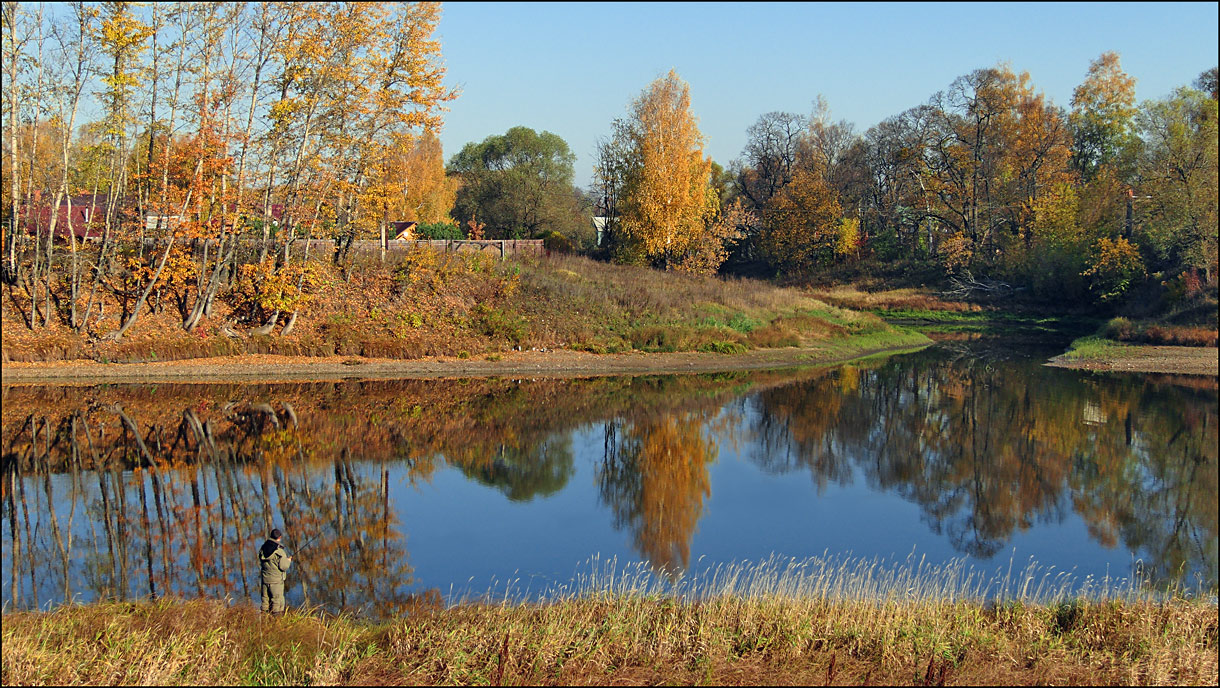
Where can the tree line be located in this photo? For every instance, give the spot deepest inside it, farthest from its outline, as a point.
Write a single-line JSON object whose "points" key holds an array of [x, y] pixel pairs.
{"points": [[200, 142], [988, 182], [988, 185]]}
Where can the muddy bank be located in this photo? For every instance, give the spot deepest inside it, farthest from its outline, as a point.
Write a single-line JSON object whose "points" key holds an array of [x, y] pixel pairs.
{"points": [[554, 363]]}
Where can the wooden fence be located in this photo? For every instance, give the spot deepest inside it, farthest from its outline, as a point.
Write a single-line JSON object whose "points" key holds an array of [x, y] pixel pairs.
{"points": [[325, 247], [498, 247]]}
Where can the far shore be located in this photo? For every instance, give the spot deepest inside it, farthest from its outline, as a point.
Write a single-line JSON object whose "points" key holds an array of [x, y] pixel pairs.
{"points": [[1133, 358], [534, 363]]}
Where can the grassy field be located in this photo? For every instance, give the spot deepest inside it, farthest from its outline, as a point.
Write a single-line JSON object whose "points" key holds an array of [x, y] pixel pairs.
{"points": [[1191, 322], [819, 621], [935, 314], [428, 303], [1094, 348]]}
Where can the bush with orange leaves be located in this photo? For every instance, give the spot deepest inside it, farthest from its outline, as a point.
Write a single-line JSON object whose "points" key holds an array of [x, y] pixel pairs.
{"points": [[262, 289]]}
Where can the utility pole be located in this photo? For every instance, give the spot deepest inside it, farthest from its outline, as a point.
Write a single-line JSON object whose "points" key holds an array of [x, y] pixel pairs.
{"points": [[1130, 213], [1130, 224]]}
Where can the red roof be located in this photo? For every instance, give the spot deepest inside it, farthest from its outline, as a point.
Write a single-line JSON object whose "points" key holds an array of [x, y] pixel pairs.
{"points": [[36, 217]]}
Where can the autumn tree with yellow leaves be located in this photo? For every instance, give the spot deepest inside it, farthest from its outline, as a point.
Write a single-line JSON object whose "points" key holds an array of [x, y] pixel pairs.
{"points": [[1103, 118], [667, 201], [222, 126], [802, 225]]}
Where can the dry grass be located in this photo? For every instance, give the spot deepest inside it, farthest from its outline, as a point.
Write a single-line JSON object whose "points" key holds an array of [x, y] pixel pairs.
{"points": [[1124, 330], [823, 620], [428, 304], [908, 299]]}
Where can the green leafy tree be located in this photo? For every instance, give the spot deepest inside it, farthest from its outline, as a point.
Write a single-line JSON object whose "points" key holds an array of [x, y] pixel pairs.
{"points": [[1054, 264], [1103, 117], [1178, 169], [518, 185]]}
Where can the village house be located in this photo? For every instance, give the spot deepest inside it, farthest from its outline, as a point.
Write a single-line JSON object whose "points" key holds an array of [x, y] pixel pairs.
{"points": [[74, 211], [405, 230], [86, 214]]}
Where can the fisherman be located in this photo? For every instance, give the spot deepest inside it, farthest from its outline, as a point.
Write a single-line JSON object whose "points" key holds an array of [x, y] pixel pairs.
{"points": [[273, 567]]}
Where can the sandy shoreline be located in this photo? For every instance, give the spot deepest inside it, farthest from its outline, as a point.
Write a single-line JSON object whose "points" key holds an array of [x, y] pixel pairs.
{"points": [[555, 363], [1176, 360]]}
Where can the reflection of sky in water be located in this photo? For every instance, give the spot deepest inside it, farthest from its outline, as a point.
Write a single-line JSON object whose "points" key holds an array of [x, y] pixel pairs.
{"points": [[462, 531], [467, 537]]}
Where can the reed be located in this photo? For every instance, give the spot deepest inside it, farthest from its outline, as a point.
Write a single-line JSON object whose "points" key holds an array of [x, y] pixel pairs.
{"points": [[819, 620]]}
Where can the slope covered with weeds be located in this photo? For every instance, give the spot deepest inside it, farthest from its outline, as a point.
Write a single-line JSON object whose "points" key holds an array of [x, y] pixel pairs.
{"points": [[428, 303]]}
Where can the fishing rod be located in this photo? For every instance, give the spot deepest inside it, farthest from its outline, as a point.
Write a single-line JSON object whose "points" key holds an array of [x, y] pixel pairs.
{"points": [[308, 542]]}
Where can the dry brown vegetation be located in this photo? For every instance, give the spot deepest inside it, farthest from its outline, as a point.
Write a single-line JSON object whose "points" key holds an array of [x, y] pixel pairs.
{"points": [[629, 640], [1124, 330], [429, 303], [850, 296]]}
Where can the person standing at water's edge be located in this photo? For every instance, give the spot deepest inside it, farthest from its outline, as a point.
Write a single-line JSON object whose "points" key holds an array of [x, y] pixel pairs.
{"points": [[273, 570]]}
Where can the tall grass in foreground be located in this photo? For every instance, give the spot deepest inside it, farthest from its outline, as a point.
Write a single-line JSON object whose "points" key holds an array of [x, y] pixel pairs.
{"points": [[845, 578], [822, 620]]}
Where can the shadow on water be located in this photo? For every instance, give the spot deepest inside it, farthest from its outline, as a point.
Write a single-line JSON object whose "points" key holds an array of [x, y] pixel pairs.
{"points": [[131, 491]]}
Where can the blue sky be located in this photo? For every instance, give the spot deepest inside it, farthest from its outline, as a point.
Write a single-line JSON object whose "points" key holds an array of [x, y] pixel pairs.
{"points": [[571, 68]]}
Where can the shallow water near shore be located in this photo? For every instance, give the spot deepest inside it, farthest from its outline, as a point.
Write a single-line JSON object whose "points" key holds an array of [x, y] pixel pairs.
{"points": [[971, 456]]}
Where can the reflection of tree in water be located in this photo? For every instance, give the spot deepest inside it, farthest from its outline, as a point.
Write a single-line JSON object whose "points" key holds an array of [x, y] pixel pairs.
{"points": [[523, 473], [791, 433], [181, 507], [174, 493], [183, 483], [654, 477], [988, 450], [1159, 494]]}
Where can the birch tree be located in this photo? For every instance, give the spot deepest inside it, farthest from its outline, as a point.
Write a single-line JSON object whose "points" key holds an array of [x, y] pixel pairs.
{"points": [[668, 200]]}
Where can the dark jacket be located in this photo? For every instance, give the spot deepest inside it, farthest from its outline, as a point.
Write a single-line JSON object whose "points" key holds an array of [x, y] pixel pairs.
{"points": [[273, 562]]}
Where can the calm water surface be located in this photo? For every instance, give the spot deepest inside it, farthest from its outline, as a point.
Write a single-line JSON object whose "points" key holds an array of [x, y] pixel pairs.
{"points": [[397, 491]]}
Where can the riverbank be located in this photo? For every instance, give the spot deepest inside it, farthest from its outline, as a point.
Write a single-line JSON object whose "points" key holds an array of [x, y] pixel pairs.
{"points": [[622, 640], [428, 304], [535, 363], [1099, 354], [1119, 346]]}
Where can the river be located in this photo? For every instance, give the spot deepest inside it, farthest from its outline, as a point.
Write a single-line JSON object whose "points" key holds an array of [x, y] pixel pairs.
{"points": [[402, 491]]}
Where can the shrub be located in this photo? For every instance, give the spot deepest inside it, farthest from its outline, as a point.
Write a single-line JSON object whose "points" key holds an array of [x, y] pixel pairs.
{"points": [[439, 231], [1114, 267], [1123, 330], [1182, 288], [1120, 329], [774, 336], [723, 347], [495, 323], [554, 241], [261, 289], [419, 265]]}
